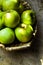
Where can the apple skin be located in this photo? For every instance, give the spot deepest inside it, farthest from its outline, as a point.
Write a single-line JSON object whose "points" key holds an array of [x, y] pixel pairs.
{"points": [[11, 19], [24, 33], [10, 5], [7, 36], [28, 17]]}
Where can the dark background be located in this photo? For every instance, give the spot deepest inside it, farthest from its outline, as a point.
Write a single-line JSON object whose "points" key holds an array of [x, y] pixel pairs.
{"points": [[32, 55]]}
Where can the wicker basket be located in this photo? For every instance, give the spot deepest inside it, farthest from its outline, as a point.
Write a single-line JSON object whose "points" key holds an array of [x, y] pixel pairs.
{"points": [[20, 45]]}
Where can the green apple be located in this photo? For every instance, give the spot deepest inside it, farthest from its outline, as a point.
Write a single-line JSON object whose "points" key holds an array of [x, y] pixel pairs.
{"points": [[7, 36], [10, 4], [24, 33], [28, 17], [11, 19]]}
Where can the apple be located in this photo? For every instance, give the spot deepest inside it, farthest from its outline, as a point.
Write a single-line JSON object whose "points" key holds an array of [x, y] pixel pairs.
{"points": [[28, 17], [11, 19], [10, 4], [7, 36], [24, 33]]}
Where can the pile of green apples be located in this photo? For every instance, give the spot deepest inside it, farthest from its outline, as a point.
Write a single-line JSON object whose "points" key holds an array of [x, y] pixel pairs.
{"points": [[15, 22]]}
